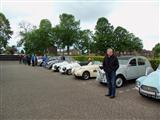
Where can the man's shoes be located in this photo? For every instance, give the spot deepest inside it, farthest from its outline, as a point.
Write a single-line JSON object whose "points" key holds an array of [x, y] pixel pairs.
{"points": [[107, 95], [112, 97]]}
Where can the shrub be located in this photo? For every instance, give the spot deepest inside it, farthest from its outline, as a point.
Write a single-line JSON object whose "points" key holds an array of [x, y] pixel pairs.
{"points": [[154, 63], [85, 58]]}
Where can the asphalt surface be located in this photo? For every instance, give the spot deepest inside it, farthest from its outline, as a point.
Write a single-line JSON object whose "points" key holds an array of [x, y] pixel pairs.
{"points": [[34, 93]]}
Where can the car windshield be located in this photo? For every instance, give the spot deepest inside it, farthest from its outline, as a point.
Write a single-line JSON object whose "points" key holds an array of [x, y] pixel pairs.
{"points": [[123, 60], [96, 63]]}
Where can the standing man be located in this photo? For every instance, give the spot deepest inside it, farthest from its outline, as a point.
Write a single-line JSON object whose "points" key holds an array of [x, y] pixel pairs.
{"points": [[110, 66]]}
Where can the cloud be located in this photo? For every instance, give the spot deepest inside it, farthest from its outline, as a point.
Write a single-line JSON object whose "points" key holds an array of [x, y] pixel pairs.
{"points": [[140, 18]]}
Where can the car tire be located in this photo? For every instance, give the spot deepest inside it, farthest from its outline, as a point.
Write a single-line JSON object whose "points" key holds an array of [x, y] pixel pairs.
{"points": [[86, 75], [119, 81], [69, 72]]}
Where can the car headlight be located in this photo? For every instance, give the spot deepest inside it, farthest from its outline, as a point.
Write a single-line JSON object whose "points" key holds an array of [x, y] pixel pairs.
{"points": [[138, 83]]}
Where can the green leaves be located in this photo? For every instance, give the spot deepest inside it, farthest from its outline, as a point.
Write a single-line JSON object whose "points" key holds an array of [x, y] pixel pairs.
{"points": [[68, 34], [156, 50], [5, 31]]}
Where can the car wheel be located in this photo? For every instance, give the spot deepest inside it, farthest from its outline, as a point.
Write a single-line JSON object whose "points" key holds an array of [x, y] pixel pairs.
{"points": [[69, 72], [86, 75], [119, 81]]}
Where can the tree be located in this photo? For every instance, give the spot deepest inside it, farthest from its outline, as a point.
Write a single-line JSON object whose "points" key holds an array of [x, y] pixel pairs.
{"points": [[121, 41], [84, 41], [156, 50], [125, 41], [68, 30], [36, 40], [44, 31], [103, 36], [5, 31], [25, 27]]}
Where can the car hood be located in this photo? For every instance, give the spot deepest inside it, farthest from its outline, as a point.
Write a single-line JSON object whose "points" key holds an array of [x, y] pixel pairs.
{"points": [[153, 79]]}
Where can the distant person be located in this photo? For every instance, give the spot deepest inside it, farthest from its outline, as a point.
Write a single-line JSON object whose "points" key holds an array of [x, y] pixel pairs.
{"points": [[110, 66], [44, 59], [20, 58], [36, 60], [89, 60], [24, 59], [28, 58], [63, 57], [33, 59]]}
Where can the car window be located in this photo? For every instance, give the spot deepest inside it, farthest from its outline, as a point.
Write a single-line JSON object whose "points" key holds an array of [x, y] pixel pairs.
{"points": [[141, 61], [133, 62]]}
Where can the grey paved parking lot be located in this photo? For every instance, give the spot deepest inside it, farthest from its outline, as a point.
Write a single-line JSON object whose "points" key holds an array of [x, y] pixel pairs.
{"points": [[34, 93]]}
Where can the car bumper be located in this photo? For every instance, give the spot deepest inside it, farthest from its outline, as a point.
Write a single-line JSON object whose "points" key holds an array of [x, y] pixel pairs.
{"points": [[62, 71], [77, 74], [101, 77], [149, 94]]}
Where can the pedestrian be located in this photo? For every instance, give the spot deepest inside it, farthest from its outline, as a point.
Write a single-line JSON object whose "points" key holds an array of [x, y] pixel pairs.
{"points": [[20, 58], [110, 66], [36, 60], [28, 58], [33, 59], [25, 59]]}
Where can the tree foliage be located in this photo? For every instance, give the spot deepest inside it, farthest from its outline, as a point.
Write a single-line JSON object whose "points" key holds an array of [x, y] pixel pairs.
{"points": [[103, 36], [68, 34], [5, 31], [156, 50]]}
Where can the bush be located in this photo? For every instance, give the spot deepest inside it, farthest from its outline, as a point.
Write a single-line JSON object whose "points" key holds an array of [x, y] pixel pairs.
{"points": [[154, 63], [85, 58]]}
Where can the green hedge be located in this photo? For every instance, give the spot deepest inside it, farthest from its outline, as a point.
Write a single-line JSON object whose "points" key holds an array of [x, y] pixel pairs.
{"points": [[85, 58], [154, 62]]}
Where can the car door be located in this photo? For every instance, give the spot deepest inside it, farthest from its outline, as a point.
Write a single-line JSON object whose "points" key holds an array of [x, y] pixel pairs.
{"points": [[132, 69], [141, 67]]}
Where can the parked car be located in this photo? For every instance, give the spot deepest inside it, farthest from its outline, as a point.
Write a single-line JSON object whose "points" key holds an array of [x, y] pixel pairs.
{"points": [[131, 67], [67, 69], [87, 71], [149, 85], [67, 60]]}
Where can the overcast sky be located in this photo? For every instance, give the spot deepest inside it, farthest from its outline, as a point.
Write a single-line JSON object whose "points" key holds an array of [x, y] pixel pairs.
{"points": [[140, 17]]}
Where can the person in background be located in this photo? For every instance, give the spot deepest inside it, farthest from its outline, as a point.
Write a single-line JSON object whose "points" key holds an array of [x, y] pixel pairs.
{"points": [[110, 66], [28, 58], [33, 59], [36, 60], [44, 59], [89, 60], [20, 58], [24, 59]]}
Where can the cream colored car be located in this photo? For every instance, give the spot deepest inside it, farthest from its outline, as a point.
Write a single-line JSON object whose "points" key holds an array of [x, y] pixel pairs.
{"points": [[87, 71]]}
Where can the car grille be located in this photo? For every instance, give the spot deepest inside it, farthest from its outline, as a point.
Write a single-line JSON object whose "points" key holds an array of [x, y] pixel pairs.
{"points": [[55, 67], [149, 89], [64, 69]]}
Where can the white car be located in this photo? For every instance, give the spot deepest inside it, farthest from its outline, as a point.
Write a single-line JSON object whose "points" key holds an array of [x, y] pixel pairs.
{"points": [[67, 69], [55, 67], [87, 71], [131, 67]]}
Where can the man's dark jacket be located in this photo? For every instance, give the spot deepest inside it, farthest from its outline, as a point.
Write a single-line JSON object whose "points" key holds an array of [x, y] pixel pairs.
{"points": [[110, 64]]}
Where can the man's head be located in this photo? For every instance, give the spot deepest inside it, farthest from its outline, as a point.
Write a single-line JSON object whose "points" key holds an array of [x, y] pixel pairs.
{"points": [[109, 52]]}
